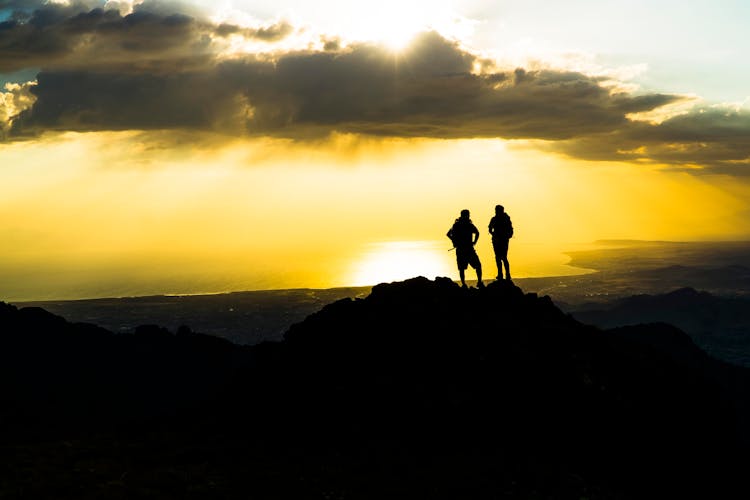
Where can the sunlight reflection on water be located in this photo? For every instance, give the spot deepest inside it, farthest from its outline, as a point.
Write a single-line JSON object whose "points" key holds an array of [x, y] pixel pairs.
{"points": [[398, 260]]}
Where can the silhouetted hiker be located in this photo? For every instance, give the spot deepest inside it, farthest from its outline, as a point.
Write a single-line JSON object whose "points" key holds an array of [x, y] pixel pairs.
{"points": [[464, 235], [501, 229]]}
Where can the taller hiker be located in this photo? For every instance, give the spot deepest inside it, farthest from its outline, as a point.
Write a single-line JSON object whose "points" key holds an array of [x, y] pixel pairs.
{"points": [[501, 229], [464, 235]]}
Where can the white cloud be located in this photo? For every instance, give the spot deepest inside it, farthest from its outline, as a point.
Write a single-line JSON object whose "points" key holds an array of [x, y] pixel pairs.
{"points": [[15, 98]]}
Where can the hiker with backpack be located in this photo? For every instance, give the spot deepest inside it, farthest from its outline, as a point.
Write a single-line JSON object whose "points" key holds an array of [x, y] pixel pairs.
{"points": [[464, 235], [501, 229]]}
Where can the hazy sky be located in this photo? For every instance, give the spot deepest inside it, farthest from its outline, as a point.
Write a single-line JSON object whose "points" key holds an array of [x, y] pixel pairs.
{"points": [[188, 146]]}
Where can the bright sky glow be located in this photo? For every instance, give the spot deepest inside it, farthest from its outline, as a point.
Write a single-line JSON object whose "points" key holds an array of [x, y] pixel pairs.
{"points": [[357, 214], [390, 21], [694, 48]]}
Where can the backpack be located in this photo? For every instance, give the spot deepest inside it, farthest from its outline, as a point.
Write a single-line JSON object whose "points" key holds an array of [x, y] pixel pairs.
{"points": [[508, 226], [503, 226]]}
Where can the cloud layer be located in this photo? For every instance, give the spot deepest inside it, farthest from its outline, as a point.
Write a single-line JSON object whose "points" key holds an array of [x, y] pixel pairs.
{"points": [[162, 68]]}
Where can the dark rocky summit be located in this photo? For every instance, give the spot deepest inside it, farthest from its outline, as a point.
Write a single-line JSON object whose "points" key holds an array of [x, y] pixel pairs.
{"points": [[420, 390]]}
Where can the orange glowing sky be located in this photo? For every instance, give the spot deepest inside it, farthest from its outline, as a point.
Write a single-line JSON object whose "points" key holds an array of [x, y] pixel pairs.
{"points": [[155, 147]]}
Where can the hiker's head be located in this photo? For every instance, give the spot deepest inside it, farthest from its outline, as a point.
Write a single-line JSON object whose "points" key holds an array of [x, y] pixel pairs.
{"points": [[499, 209], [464, 214]]}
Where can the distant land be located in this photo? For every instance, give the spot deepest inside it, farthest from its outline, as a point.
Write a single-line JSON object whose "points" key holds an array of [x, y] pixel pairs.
{"points": [[629, 267], [718, 325]]}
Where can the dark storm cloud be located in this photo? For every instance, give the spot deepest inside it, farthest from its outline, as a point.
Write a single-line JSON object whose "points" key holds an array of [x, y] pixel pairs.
{"points": [[85, 35], [76, 100], [271, 33], [157, 68], [716, 139], [429, 91]]}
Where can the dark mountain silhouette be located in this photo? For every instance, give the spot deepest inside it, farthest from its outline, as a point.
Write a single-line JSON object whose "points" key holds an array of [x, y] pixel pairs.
{"points": [[58, 376], [240, 317], [719, 325], [420, 390]]}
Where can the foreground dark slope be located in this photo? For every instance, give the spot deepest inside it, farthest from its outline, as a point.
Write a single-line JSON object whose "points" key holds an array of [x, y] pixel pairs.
{"points": [[421, 390]]}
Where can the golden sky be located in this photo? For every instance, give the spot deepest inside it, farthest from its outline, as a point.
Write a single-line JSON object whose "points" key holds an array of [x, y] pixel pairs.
{"points": [[161, 147]]}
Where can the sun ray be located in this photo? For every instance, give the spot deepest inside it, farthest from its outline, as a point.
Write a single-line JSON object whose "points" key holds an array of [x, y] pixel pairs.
{"points": [[399, 260]]}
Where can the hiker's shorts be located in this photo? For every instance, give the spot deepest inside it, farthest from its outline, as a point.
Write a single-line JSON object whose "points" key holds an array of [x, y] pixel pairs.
{"points": [[467, 256]]}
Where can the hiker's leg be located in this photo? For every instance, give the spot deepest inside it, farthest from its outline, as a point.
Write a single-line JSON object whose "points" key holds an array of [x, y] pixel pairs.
{"points": [[505, 260], [498, 248]]}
